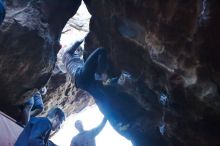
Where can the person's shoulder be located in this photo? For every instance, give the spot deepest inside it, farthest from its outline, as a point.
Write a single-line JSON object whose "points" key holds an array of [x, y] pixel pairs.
{"points": [[81, 134], [44, 119], [40, 120], [89, 133], [74, 139], [43, 122], [77, 139]]}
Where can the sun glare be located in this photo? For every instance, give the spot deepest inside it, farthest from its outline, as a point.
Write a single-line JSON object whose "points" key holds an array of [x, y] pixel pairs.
{"points": [[91, 117]]}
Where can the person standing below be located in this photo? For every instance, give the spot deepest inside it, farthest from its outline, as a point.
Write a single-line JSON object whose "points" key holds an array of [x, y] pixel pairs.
{"points": [[86, 138], [33, 106], [37, 131], [38, 105]]}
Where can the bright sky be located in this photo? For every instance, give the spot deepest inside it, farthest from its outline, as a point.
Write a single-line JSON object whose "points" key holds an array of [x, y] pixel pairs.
{"points": [[71, 35], [91, 117]]}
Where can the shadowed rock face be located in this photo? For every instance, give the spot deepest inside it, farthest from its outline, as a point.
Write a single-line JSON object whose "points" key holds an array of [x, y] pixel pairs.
{"points": [[29, 42], [61, 92], [170, 46]]}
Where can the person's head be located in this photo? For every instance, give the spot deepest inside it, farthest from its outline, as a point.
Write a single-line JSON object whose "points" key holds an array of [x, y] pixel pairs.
{"points": [[79, 126], [43, 91], [56, 117]]}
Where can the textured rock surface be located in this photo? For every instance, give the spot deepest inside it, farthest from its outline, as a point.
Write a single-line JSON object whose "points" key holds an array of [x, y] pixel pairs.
{"points": [[62, 93], [29, 42], [170, 45]]}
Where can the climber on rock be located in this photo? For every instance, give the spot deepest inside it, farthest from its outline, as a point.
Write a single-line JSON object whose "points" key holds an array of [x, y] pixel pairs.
{"points": [[2, 11], [86, 138], [37, 131], [91, 76], [94, 68], [33, 106]]}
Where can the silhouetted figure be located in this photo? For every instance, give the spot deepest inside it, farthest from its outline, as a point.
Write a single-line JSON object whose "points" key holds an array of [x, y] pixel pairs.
{"points": [[2, 11], [37, 131], [86, 138]]}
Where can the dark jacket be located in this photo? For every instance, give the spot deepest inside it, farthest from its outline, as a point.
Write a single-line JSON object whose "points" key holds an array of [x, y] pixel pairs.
{"points": [[36, 133], [2, 12]]}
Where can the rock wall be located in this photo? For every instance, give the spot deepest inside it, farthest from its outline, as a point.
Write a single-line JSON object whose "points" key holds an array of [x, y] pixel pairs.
{"points": [[170, 46], [29, 42], [61, 92]]}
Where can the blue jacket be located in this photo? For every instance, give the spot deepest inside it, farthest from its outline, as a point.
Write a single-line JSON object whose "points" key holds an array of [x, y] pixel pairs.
{"points": [[36, 133], [2, 12], [35, 101]]}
